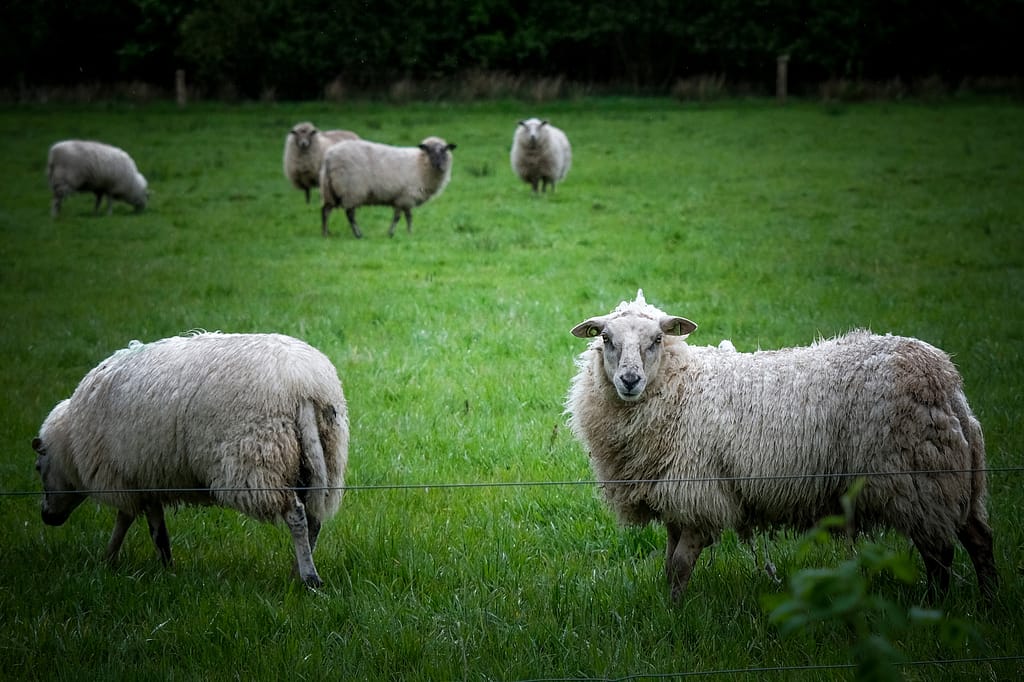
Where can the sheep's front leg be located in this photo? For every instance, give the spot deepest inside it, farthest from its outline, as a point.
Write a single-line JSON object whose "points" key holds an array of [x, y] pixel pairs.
{"points": [[158, 531], [303, 536], [350, 213], [408, 220], [121, 525], [684, 547]]}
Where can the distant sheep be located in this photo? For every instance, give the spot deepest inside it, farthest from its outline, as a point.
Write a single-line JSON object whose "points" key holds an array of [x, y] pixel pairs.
{"points": [[708, 438], [86, 166], [541, 154], [254, 422], [363, 173], [304, 148]]}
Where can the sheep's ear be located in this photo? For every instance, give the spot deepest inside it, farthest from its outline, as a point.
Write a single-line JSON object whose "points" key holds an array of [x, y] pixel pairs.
{"points": [[450, 147], [543, 123], [590, 328], [523, 123], [676, 326], [37, 445]]}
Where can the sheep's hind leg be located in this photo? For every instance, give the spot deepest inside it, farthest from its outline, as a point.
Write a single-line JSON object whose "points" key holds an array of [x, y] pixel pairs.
{"points": [[350, 213], [304, 533], [121, 525], [976, 537], [325, 211], [683, 549], [158, 531], [938, 564]]}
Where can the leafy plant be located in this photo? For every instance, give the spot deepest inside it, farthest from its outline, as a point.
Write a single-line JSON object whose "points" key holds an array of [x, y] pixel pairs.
{"points": [[844, 595]]}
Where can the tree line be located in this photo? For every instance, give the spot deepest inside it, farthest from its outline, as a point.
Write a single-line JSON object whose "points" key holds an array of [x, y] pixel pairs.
{"points": [[293, 48]]}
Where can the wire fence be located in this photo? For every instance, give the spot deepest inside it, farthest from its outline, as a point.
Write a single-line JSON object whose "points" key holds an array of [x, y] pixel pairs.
{"points": [[725, 672], [443, 485]]}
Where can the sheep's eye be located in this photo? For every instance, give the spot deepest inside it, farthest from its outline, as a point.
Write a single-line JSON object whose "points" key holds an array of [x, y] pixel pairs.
{"points": [[606, 337]]}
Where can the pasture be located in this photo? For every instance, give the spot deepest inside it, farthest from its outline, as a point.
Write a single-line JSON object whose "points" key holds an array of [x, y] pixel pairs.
{"points": [[472, 544]]}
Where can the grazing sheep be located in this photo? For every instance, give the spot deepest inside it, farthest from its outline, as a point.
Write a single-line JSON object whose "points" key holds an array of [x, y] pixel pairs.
{"points": [[304, 148], [540, 154], [86, 166], [363, 173], [254, 422], [708, 438]]}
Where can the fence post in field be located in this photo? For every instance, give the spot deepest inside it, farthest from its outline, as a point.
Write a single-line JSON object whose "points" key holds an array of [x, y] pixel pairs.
{"points": [[180, 90], [781, 76]]}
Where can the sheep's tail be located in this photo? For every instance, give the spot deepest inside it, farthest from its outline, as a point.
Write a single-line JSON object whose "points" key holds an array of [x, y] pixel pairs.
{"points": [[324, 440], [327, 193], [976, 443]]}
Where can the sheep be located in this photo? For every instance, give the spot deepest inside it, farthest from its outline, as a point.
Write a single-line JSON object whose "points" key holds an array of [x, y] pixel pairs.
{"points": [[541, 154], [253, 422], [304, 148], [360, 173], [708, 438], [87, 166]]}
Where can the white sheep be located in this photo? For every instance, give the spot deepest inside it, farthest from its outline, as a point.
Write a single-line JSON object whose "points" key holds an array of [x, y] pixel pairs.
{"points": [[254, 422], [541, 154], [304, 148], [87, 166], [708, 438], [360, 173]]}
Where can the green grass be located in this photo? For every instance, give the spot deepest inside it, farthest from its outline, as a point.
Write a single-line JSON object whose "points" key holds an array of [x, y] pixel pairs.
{"points": [[765, 225]]}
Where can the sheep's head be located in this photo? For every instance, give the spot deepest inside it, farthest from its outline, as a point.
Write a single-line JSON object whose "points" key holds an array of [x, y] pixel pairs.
{"points": [[631, 343], [303, 134], [532, 130], [438, 153], [60, 495]]}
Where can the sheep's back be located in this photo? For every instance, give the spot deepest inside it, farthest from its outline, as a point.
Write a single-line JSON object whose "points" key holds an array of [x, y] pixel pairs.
{"points": [[856, 404], [89, 166], [209, 411], [369, 173]]}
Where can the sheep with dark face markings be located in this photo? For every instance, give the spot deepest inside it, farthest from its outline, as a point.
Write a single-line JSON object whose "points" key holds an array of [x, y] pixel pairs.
{"points": [[304, 148], [87, 166], [254, 422], [697, 437], [360, 173]]}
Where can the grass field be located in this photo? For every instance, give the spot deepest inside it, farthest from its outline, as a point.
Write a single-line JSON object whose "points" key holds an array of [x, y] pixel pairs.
{"points": [[768, 226]]}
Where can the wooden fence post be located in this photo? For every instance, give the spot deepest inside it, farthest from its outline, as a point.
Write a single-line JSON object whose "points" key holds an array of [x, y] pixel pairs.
{"points": [[781, 76], [180, 91]]}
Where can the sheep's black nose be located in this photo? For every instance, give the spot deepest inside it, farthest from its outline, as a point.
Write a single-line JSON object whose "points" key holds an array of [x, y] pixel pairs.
{"points": [[630, 380]]}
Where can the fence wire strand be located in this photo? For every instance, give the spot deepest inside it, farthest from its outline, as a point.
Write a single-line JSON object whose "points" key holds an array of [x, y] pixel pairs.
{"points": [[734, 672], [376, 487]]}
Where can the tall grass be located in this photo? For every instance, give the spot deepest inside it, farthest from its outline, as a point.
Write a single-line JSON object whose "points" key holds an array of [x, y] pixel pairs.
{"points": [[768, 226]]}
